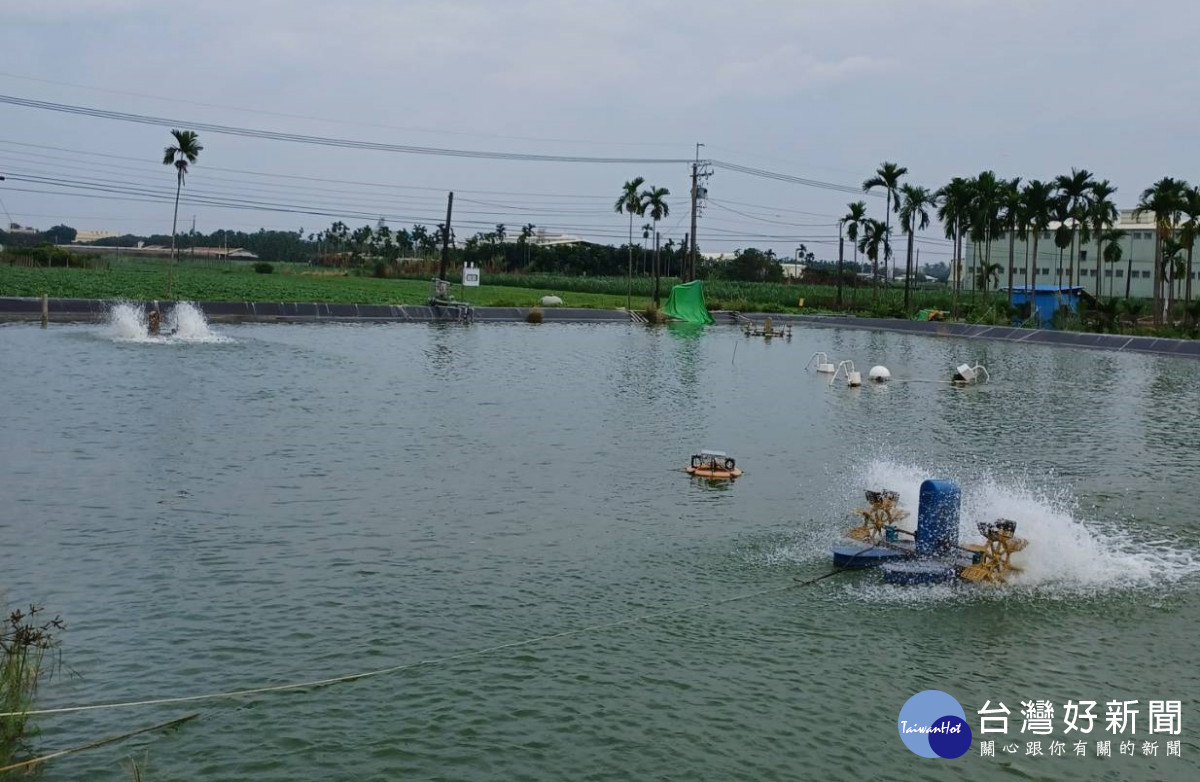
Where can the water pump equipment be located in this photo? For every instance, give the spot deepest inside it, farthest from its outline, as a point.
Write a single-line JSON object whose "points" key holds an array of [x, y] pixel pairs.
{"points": [[853, 376], [824, 365], [966, 374]]}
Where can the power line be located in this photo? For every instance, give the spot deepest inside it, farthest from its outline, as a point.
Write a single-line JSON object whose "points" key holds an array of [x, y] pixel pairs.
{"points": [[328, 141], [298, 177], [796, 180], [440, 132]]}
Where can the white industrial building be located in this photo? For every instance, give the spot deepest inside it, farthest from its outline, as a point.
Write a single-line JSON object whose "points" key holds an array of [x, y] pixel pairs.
{"points": [[1054, 265]]}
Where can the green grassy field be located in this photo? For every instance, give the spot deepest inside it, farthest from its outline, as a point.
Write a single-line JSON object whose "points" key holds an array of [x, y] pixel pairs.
{"points": [[144, 280]]}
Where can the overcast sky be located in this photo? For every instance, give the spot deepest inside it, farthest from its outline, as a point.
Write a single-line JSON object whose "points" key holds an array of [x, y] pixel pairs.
{"points": [[820, 89]]}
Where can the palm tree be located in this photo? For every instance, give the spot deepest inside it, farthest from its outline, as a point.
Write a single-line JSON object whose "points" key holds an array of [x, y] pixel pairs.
{"points": [[914, 216], [853, 220], [654, 201], [988, 272], [1191, 229], [1064, 234], [1133, 308], [1013, 220], [1164, 199], [1038, 197], [183, 152], [527, 231], [1172, 270], [985, 216], [1112, 256], [1075, 189], [954, 202], [630, 202], [875, 235], [887, 176], [1103, 213]]}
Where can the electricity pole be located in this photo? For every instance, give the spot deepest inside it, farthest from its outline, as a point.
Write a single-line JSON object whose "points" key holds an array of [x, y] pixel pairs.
{"points": [[699, 171], [446, 239], [841, 256]]}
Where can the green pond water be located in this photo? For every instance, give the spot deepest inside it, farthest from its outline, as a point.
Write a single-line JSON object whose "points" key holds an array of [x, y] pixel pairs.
{"points": [[245, 506]]}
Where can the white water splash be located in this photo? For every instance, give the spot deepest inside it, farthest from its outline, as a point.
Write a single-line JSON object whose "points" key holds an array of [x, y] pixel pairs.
{"points": [[126, 323], [1067, 556], [186, 323], [183, 323]]}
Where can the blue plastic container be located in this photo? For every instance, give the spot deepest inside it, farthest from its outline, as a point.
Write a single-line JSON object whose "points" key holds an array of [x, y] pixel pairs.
{"points": [[937, 519]]}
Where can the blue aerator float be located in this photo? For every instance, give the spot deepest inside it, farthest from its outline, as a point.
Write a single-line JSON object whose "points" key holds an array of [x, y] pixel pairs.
{"points": [[932, 554]]}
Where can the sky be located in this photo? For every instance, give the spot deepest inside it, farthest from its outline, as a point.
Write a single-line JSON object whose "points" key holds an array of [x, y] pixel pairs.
{"points": [[822, 90]]}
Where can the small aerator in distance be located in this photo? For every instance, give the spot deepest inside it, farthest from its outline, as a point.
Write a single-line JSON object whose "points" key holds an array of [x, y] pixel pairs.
{"points": [[714, 466]]}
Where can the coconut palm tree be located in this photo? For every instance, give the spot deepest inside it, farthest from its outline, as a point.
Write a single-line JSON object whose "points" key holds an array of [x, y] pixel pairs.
{"points": [[1076, 190], [1103, 214], [1165, 200], [1012, 219], [1038, 198], [630, 202], [1112, 256], [853, 221], [887, 176], [654, 202], [915, 203], [181, 154], [954, 201], [1191, 229]]}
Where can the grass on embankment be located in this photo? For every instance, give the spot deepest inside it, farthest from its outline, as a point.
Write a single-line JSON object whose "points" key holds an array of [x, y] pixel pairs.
{"points": [[239, 282]]}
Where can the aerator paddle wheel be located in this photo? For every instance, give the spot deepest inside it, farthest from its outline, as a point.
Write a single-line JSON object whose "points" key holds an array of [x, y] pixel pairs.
{"points": [[993, 558], [881, 515]]}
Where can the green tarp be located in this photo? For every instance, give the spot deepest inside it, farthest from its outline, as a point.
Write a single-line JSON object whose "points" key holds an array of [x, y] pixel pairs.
{"points": [[686, 303]]}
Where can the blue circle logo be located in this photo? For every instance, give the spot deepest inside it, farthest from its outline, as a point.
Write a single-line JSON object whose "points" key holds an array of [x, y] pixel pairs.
{"points": [[933, 725]]}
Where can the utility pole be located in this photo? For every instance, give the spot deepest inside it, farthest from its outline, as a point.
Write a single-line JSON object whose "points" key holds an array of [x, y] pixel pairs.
{"points": [[690, 266], [841, 257], [446, 239], [699, 171]]}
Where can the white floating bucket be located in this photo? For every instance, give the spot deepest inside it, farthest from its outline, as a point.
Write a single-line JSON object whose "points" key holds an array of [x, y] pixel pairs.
{"points": [[879, 374], [854, 379]]}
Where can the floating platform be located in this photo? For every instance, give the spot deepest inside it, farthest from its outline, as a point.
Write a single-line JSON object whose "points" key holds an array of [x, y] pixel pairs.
{"points": [[916, 572], [848, 553]]}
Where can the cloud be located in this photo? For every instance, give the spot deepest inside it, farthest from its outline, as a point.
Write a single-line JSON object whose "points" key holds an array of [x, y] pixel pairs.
{"points": [[787, 70]]}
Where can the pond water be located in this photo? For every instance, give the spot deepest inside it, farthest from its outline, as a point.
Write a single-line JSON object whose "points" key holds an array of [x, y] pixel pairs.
{"points": [[243, 506]]}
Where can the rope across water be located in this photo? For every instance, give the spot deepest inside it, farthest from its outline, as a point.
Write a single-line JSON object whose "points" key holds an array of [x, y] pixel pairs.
{"points": [[430, 661]]}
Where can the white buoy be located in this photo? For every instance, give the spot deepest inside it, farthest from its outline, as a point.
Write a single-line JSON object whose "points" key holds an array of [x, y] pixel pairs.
{"points": [[824, 365], [879, 374]]}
